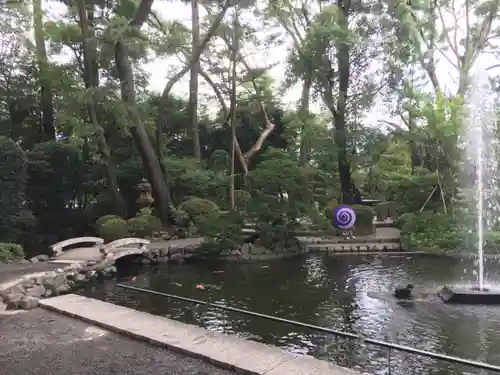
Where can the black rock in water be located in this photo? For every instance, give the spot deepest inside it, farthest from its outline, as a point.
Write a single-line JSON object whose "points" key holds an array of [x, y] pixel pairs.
{"points": [[403, 292]]}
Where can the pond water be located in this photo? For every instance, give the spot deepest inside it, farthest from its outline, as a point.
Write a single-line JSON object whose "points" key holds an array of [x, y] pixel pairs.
{"points": [[351, 293]]}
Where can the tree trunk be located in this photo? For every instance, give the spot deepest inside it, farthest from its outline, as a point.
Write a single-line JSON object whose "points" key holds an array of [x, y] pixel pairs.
{"points": [[91, 78], [234, 63], [304, 115], [47, 129], [340, 136], [193, 81], [137, 129]]}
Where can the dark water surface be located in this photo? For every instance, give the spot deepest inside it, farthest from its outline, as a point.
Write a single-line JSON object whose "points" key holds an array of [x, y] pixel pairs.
{"points": [[351, 293]]}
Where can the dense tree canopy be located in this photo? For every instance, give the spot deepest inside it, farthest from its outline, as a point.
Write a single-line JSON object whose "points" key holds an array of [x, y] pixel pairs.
{"points": [[79, 133]]}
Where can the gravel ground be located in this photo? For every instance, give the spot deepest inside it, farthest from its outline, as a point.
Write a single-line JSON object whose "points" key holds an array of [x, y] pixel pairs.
{"points": [[39, 342], [9, 272]]}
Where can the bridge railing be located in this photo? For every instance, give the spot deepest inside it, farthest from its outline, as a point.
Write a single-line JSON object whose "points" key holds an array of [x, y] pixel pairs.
{"points": [[337, 333], [59, 247]]}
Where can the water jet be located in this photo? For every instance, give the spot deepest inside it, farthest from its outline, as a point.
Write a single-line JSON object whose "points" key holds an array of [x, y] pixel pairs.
{"points": [[481, 151]]}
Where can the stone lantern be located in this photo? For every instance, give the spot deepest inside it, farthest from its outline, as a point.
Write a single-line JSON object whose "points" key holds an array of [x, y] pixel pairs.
{"points": [[145, 198]]}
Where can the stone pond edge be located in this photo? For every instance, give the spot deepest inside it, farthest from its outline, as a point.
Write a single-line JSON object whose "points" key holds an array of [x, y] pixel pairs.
{"points": [[26, 291], [228, 364]]}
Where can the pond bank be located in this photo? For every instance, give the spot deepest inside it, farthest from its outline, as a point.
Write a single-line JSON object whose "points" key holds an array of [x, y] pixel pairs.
{"points": [[25, 291]]}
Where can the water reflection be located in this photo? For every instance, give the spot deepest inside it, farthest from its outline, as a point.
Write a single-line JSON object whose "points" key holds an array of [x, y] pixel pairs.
{"points": [[346, 293]]}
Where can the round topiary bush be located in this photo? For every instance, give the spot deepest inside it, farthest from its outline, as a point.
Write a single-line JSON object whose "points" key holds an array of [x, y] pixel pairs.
{"points": [[144, 225], [199, 210], [113, 229], [189, 197], [105, 218], [11, 252]]}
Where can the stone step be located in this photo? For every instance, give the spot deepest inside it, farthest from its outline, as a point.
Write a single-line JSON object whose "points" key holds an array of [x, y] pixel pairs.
{"points": [[384, 224], [340, 240], [355, 247]]}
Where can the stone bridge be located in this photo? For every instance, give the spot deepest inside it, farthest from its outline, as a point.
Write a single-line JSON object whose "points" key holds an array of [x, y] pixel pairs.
{"points": [[93, 249]]}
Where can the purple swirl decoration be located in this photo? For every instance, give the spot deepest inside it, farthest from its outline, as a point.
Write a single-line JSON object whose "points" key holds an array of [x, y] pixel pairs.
{"points": [[344, 217]]}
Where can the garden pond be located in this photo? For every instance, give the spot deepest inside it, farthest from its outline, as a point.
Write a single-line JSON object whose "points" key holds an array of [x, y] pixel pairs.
{"points": [[350, 293]]}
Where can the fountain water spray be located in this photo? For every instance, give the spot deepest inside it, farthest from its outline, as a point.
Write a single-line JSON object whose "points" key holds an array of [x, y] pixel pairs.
{"points": [[481, 150], [480, 200]]}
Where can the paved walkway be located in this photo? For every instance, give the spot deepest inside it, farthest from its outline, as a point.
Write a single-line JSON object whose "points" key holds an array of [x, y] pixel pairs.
{"points": [[40, 342], [225, 351]]}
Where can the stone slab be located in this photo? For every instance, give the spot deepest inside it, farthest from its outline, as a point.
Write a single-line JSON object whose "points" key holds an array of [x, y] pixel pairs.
{"points": [[66, 261], [225, 351], [372, 247]]}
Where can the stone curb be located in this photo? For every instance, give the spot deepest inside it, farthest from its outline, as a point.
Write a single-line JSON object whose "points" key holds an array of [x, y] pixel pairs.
{"points": [[224, 351]]}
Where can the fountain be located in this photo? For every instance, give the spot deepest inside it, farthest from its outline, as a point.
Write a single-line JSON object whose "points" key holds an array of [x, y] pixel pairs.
{"points": [[481, 151]]}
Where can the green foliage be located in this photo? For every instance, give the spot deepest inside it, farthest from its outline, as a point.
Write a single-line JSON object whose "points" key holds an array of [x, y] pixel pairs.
{"points": [[241, 199], [55, 175], [13, 165], [57, 189], [144, 225], [200, 210], [433, 231], [105, 218], [189, 178], [411, 191], [219, 161], [11, 252], [364, 215], [329, 209], [113, 229], [223, 233]]}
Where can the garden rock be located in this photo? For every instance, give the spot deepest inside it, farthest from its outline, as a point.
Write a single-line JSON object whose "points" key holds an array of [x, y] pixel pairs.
{"points": [[176, 258], [28, 303]]}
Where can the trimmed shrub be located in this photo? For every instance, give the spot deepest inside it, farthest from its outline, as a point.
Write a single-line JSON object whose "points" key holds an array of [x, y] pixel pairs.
{"points": [[364, 215], [105, 218], [144, 225], [199, 210], [11, 252], [113, 229]]}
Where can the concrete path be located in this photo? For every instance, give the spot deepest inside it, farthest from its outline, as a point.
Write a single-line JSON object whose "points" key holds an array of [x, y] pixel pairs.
{"points": [[80, 254], [40, 342], [229, 352]]}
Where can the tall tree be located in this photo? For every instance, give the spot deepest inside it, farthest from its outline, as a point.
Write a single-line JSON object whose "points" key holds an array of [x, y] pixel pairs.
{"points": [[47, 128], [137, 129], [193, 79], [91, 79]]}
